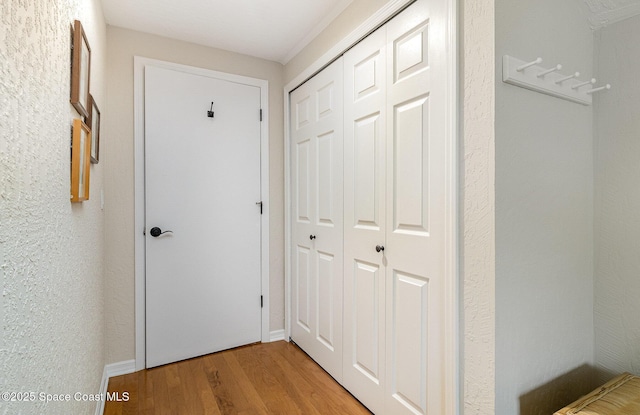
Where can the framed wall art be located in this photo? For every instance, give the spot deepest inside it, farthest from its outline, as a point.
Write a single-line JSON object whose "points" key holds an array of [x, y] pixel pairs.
{"points": [[94, 123], [80, 70], [80, 161]]}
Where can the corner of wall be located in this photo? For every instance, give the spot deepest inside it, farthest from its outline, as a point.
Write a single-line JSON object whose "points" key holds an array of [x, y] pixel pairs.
{"points": [[477, 202]]}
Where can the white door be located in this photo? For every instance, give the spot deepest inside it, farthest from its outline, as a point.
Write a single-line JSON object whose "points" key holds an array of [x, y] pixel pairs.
{"points": [[202, 183], [395, 98], [317, 240], [364, 228], [415, 214]]}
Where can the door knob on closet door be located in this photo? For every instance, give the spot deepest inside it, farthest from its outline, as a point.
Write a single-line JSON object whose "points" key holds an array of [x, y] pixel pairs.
{"points": [[312, 237], [379, 248]]}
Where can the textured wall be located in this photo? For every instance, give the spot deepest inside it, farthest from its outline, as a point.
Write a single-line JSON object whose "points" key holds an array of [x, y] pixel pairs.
{"points": [[477, 198], [51, 251], [123, 45], [544, 212], [617, 263]]}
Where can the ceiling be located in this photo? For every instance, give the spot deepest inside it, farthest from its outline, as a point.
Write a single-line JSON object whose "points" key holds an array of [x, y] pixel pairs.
{"points": [[604, 12], [270, 29]]}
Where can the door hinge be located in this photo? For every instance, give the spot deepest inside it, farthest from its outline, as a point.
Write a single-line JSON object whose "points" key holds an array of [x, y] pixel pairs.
{"points": [[260, 114], [260, 203], [261, 302]]}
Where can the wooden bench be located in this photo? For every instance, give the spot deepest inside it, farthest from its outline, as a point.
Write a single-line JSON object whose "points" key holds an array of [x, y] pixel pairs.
{"points": [[620, 396]]}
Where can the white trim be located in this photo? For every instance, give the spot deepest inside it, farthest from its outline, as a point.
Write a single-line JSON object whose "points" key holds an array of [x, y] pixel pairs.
{"points": [[287, 213], [139, 213], [138, 103], [277, 335], [453, 370], [120, 368], [114, 369]]}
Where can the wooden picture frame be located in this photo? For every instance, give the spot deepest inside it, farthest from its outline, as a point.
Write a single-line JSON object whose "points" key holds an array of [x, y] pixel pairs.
{"points": [[80, 70], [80, 161], [94, 123]]}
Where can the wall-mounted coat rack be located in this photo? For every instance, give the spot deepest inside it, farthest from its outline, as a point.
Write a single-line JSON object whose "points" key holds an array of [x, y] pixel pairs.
{"points": [[548, 81]]}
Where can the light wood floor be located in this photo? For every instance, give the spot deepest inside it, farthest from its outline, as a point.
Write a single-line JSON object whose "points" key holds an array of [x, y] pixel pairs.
{"points": [[269, 378]]}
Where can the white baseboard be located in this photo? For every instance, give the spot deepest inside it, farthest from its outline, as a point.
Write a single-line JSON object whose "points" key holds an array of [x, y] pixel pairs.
{"points": [[276, 335], [120, 368], [111, 370]]}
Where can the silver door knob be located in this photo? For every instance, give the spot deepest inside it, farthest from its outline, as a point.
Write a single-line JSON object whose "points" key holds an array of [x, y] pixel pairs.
{"points": [[379, 248]]}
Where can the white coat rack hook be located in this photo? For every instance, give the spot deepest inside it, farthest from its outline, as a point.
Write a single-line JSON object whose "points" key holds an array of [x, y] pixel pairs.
{"points": [[548, 71], [581, 84], [550, 81], [602, 88], [566, 78], [526, 65]]}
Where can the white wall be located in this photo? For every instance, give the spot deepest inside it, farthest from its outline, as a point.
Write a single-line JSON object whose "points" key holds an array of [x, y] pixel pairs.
{"points": [[123, 45], [544, 214], [617, 204], [51, 251]]}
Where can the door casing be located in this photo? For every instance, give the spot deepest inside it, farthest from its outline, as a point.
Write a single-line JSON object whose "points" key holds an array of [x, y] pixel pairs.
{"points": [[452, 387], [139, 186]]}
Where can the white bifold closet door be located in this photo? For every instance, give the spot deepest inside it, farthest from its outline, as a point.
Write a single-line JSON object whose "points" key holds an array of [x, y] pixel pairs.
{"points": [[368, 274], [395, 100], [317, 223]]}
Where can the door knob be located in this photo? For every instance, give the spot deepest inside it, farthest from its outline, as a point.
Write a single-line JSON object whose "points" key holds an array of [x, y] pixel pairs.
{"points": [[312, 237], [155, 232], [379, 248]]}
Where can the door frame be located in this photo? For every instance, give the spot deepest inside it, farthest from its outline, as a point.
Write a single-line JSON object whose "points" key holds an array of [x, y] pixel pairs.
{"points": [[453, 353], [139, 188]]}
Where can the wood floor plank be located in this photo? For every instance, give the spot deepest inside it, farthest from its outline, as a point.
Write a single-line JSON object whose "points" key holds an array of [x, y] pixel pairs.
{"points": [[260, 379], [259, 368], [224, 385], [322, 391], [296, 388], [246, 387]]}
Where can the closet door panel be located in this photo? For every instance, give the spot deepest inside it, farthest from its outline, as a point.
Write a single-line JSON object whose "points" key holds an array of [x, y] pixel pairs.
{"points": [[367, 319], [364, 212], [415, 209], [317, 229], [302, 308], [410, 48], [366, 172], [302, 172], [325, 292], [326, 180], [410, 173], [408, 367]]}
